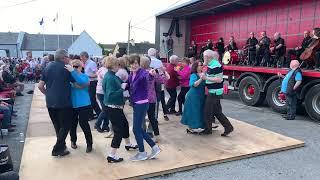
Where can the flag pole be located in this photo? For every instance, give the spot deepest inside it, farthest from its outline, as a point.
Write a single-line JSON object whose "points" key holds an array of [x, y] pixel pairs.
{"points": [[44, 40], [71, 30]]}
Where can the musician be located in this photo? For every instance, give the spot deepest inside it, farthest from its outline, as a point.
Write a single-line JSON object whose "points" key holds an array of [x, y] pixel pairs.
{"points": [[298, 50], [279, 50], [316, 37], [232, 46], [192, 51], [251, 45], [263, 53], [220, 47], [209, 45]]}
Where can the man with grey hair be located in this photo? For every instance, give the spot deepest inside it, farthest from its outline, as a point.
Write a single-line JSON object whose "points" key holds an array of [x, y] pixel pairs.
{"points": [[172, 84], [55, 85], [279, 50], [90, 69], [214, 83]]}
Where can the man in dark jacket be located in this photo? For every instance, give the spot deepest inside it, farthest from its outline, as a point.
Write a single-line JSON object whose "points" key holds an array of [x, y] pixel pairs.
{"points": [[290, 85]]}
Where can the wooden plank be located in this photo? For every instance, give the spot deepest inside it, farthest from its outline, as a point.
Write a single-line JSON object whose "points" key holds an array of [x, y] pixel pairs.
{"points": [[181, 151]]}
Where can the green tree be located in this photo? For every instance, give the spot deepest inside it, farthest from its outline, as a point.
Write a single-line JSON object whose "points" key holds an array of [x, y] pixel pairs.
{"points": [[103, 51]]}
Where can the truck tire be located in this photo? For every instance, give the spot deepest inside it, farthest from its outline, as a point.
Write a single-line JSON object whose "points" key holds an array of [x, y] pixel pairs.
{"points": [[273, 97], [249, 92], [312, 102]]}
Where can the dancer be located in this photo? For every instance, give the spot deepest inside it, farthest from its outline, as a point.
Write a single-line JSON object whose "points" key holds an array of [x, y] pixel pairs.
{"points": [[192, 115], [214, 83], [184, 77], [114, 101], [81, 104], [138, 87]]}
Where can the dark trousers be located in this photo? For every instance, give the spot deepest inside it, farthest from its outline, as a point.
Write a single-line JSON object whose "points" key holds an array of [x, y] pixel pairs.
{"points": [[120, 126], [152, 118], [280, 60], [171, 104], [102, 118], [182, 97], [82, 116], [61, 119], [252, 57], [213, 109], [263, 57], [291, 101], [139, 114], [161, 98], [317, 59], [92, 93]]}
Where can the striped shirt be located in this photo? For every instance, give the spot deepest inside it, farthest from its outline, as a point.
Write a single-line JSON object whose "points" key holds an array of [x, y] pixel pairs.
{"points": [[214, 70]]}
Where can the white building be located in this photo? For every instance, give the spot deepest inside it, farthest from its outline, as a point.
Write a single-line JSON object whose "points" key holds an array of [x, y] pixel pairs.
{"points": [[18, 44]]}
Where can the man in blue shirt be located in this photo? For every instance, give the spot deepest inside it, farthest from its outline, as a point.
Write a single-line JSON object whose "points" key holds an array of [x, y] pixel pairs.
{"points": [[290, 85]]}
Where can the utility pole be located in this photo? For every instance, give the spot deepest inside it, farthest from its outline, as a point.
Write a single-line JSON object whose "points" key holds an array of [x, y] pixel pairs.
{"points": [[129, 29]]}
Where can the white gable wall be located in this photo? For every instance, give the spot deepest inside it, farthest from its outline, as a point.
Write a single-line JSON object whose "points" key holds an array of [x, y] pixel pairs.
{"points": [[85, 43]]}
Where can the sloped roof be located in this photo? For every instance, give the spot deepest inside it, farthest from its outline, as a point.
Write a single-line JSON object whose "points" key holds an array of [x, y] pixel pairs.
{"points": [[8, 38], [35, 41], [138, 48]]}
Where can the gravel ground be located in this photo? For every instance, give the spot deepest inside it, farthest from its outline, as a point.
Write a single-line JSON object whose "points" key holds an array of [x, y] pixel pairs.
{"points": [[301, 163]]}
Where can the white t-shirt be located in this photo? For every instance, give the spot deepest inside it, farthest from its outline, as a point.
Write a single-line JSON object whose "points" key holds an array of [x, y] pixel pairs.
{"points": [[90, 68], [155, 63], [101, 72]]}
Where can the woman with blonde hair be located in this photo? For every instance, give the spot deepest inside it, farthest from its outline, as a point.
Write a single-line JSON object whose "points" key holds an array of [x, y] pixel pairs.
{"points": [[81, 104], [113, 88]]}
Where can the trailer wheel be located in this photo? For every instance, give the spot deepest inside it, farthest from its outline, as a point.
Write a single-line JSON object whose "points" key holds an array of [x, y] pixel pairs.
{"points": [[249, 92], [312, 102], [273, 99]]}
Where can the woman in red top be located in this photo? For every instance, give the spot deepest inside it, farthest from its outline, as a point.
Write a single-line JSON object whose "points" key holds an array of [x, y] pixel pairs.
{"points": [[172, 84]]}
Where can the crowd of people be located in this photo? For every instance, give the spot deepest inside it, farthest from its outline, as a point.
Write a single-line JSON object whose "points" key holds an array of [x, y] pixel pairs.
{"points": [[78, 82]]}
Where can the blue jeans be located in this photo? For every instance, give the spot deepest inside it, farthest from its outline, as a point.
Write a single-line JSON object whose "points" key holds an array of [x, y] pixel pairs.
{"points": [[6, 111], [139, 114], [102, 118]]}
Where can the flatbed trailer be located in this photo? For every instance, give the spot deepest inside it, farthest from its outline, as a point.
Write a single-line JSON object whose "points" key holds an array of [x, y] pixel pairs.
{"points": [[257, 84]]}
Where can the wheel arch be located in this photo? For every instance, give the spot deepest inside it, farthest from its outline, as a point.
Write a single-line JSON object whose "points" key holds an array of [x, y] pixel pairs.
{"points": [[268, 82], [308, 86]]}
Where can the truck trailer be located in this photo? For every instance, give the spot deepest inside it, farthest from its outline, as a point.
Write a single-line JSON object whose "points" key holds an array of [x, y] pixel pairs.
{"points": [[200, 20]]}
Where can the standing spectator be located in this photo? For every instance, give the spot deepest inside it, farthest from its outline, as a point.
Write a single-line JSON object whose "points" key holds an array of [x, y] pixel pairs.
{"points": [[81, 104], [114, 101], [158, 66], [172, 84], [55, 85], [138, 85], [289, 86], [184, 76], [214, 83], [90, 69]]}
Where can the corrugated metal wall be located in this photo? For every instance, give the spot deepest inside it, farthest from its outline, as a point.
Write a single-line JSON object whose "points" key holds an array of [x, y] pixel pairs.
{"points": [[289, 17]]}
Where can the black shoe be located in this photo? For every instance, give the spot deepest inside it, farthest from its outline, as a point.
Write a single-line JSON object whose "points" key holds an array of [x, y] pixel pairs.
{"points": [[100, 130], [63, 153], [107, 129], [172, 112], [11, 130], [178, 113], [12, 125], [89, 149], [166, 118], [74, 145], [227, 132], [289, 118], [112, 160], [130, 147], [19, 94], [205, 132]]}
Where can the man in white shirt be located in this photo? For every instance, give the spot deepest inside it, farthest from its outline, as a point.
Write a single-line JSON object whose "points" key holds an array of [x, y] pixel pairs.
{"points": [[90, 69]]}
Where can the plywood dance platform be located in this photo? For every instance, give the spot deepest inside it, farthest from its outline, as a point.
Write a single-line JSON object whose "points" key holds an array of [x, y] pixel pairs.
{"points": [[181, 151]]}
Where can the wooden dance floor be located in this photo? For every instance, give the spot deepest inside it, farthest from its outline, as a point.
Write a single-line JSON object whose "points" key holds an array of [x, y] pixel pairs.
{"points": [[181, 151]]}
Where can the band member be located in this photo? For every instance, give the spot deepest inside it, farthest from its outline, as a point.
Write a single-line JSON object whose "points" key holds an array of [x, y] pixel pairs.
{"points": [[220, 47], [279, 50], [299, 50], [209, 45], [251, 45], [263, 53], [192, 51], [316, 37], [232, 46]]}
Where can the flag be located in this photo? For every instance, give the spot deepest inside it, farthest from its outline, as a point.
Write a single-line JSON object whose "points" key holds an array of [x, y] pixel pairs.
{"points": [[72, 27], [41, 22], [56, 18]]}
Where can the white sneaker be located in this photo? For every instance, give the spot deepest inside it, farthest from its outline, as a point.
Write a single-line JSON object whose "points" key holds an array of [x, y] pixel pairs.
{"points": [[155, 151], [140, 156]]}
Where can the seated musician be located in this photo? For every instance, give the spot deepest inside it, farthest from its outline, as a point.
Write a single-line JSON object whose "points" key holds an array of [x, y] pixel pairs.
{"points": [[298, 50], [232, 46], [263, 53], [279, 50], [316, 37], [209, 45], [251, 45], [220, 47]]}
